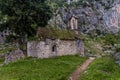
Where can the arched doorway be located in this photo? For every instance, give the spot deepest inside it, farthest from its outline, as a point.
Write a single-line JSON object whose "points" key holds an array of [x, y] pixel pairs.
{"points": [[54, 48]]}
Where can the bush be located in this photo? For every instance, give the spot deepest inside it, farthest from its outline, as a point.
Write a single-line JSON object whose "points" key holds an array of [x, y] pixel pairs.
{"points": [[11, 38], [110, 39]]}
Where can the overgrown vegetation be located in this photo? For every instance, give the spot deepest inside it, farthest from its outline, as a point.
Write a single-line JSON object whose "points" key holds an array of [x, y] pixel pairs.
{"points": [[93, 47], [1, 60], [6, 48], [102, 69], [58, 68], [102, 45], [54, 33]]}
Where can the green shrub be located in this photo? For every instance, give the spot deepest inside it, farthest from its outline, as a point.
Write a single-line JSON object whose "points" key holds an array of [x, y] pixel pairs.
{"points": [[110, 39]]}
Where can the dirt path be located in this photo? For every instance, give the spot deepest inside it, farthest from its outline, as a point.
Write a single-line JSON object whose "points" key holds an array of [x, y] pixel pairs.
{"points": [[75, 75]]}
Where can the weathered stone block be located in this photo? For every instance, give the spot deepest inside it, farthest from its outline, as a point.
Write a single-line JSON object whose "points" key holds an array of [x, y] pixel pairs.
{"points": [[117, 57], [14, 56]]}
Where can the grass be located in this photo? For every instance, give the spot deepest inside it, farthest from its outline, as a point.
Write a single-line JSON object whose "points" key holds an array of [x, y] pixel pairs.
{"points": [[93, 45], [41, 69], [102, 69]]}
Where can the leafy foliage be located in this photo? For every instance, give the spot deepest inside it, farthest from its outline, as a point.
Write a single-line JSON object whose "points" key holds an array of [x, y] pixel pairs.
{"points": [[110, 39], [24, 16], [6, 48]]}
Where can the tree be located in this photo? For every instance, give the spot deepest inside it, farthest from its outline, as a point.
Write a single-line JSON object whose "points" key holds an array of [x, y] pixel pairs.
{"points": [[24, 16]]}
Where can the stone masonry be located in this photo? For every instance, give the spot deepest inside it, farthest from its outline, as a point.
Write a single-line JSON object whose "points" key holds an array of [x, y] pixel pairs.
{"points": [[52, 48]]}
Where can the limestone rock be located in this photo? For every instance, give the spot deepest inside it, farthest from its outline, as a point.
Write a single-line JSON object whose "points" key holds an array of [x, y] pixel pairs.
{"points": [[103, 15], [117, 57], [112, 18], [14, 56]]}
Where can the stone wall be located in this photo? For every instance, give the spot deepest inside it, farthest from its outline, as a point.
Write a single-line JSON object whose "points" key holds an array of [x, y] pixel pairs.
{"points": [[51, 48], [14, 56]]}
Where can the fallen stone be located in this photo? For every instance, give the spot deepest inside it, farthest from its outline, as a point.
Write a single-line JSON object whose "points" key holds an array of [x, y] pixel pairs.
{"points": [[14, 56], [117, 57]]}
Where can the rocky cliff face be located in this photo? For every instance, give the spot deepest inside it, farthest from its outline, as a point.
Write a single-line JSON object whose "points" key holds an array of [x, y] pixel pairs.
{"points": [[112, 18], [99, 16]]}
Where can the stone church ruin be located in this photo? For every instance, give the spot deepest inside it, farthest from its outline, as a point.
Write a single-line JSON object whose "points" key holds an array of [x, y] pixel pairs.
{"points": [[57, 47], [52, 48]]}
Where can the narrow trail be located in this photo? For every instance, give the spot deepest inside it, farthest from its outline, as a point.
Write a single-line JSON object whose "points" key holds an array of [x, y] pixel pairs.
{"points": [[75, 75]]}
